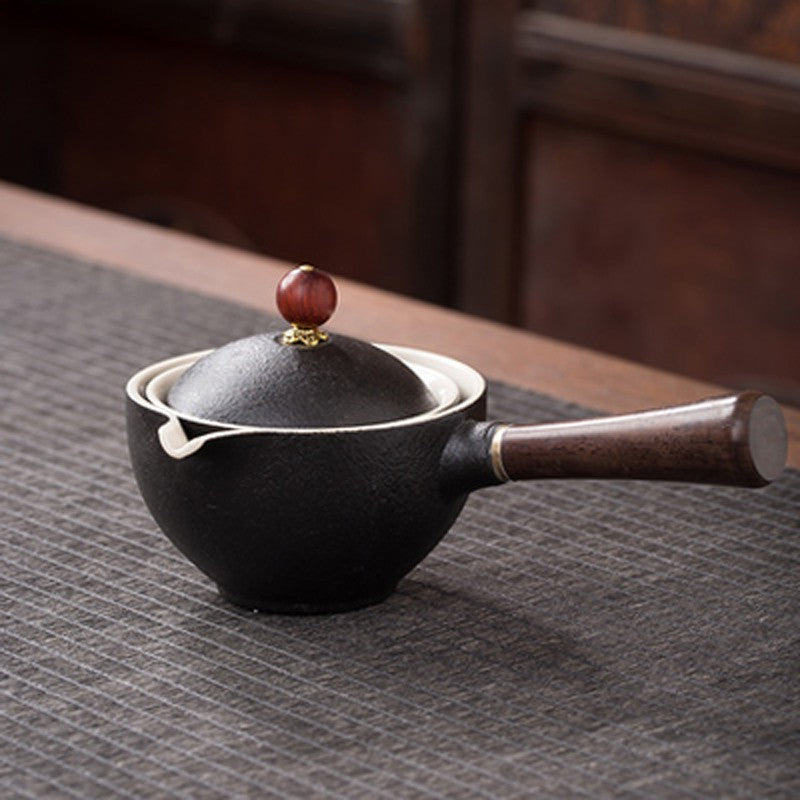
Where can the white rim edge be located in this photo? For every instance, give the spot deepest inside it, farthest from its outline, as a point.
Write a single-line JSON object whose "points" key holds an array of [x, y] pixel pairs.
{"points": [[470, 384]]}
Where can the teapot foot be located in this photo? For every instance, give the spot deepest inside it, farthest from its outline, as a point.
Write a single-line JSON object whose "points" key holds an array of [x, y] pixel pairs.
{"points": [[306, 607]]}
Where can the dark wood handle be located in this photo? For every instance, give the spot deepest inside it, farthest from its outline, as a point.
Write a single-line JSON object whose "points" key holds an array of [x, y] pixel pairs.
{"points": [[738, 440]]}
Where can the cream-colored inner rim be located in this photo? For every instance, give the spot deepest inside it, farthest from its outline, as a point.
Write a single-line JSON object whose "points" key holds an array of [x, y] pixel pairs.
{"points": [[468, 386]]}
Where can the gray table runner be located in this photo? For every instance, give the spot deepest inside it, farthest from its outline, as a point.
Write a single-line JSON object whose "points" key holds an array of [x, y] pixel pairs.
{"points": [[564, 640]]}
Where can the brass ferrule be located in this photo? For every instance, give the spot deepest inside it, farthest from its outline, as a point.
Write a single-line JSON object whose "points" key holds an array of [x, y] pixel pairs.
{"points": [[496, 453]]}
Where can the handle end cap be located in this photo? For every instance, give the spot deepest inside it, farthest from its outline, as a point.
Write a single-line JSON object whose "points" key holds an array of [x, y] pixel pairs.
{"points": [[768, 439]]}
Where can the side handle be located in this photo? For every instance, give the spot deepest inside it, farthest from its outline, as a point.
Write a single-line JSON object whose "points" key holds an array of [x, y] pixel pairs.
{"points": [[738, 440]]}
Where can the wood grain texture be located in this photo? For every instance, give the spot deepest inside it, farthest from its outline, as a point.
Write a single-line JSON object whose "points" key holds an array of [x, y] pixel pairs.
{"points": [[739, 440], [524, 359], [269, 125], [660, 256], [768, 29], [576, 73], [285, 157], [306, 297], [662, 89], [487, 230]]}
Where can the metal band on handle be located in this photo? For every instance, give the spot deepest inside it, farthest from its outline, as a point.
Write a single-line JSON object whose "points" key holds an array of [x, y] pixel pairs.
{"points": [[497, 455]]}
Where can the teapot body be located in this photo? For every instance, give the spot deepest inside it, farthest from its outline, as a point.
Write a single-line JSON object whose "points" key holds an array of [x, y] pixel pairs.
{"points": [[302, 521]]}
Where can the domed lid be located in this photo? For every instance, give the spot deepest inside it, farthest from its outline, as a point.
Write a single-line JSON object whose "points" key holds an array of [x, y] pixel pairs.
{"points": [[303, 377]]}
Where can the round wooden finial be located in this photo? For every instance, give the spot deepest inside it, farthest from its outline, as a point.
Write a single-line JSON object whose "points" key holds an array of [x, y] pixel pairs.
{"points": [[306, 298]]}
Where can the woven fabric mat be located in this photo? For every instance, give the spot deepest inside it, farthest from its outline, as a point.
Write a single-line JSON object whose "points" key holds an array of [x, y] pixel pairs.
{"points": [[566, 639]]}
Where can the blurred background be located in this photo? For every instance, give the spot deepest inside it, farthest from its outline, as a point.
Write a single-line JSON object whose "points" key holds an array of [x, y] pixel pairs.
{"points": [[621, 174]]}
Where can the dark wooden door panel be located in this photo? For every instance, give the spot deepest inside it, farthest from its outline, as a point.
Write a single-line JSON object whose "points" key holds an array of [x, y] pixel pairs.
{"points": [[770, 29], [664, 256], [301, 164], [309, 131]]}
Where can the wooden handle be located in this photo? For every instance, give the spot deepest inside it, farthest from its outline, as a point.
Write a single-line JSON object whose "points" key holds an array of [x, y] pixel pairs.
{"points": [[739, 441]]}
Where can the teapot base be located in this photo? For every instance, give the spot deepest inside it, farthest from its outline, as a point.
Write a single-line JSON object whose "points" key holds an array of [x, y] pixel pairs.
{"points": [[302, 608]]}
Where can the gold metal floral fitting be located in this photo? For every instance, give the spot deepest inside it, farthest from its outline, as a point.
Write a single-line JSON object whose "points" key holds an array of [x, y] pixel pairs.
{"points": [[300, 335]]}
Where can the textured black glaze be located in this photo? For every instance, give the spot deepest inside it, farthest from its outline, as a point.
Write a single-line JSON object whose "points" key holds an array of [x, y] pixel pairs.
{"points": [[467, 458], [311, 522], [260, 381]]}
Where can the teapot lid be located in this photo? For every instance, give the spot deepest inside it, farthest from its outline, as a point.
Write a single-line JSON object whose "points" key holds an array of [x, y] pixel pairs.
{"points": [[303, 377]]}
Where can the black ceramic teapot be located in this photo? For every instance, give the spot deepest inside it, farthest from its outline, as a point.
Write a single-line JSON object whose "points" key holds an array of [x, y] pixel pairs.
{"points": [[307, 472]]}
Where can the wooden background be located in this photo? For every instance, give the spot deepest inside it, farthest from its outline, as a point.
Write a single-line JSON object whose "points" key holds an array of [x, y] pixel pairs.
{"points": [[623, 175]]}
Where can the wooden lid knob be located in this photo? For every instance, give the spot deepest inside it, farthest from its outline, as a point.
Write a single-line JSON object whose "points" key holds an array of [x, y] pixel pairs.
{"points": [[306, 297]]}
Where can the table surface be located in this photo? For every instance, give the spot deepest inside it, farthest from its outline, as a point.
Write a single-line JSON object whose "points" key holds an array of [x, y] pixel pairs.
{"points": [[564, 639], [525, 359]]}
